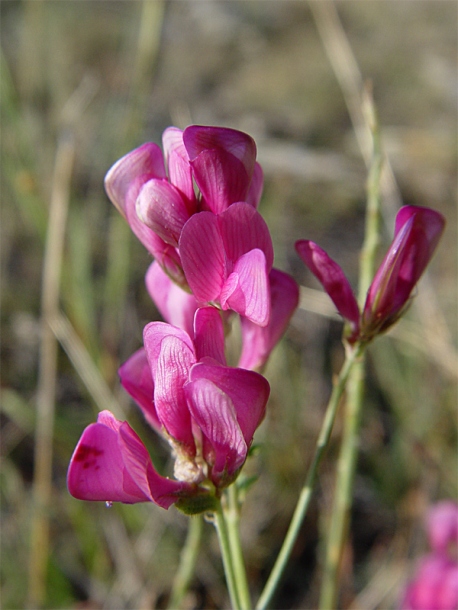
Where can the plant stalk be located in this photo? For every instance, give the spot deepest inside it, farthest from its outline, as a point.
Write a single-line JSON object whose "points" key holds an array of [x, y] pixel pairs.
{"points": [[352, 357], [188, 559]]}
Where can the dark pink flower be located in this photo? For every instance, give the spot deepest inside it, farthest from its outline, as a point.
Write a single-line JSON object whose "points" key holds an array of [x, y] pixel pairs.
{"points": [[207, 411], [417, 233]]}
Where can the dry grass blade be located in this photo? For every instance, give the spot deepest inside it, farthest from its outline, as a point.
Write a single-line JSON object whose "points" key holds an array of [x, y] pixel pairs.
{"points": [[48, 371], [85, 367]]}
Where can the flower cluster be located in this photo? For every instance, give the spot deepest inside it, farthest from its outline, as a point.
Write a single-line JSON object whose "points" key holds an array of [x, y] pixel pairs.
{"points": [[435, 584], [195, 210], [416, 235]]}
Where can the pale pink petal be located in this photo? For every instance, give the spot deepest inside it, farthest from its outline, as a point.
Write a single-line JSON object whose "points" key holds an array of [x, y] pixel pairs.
{"points": [[136, 379], [161, 207], [209, 335], [154, 333], [258, 341], [176, 306], [247, 288], [203, 257], [255, 191], [172, 370], [98, 468], [248, 391], [166, 255], [442, 525], [243, 229], [333, 279], [144, 162], [177, 160], [215, 415]]}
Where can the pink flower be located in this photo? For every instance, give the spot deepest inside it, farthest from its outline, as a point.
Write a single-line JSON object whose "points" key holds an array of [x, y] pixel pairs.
{"points": [[442, 526], [417, 233], [207, 411], [435, 584], [232, 254]]}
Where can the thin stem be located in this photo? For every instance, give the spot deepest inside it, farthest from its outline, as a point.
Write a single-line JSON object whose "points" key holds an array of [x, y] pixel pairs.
{"points": [[339, 525], [188, 559], [338, 529], [353, 355], [220, 524], [231, 514]]}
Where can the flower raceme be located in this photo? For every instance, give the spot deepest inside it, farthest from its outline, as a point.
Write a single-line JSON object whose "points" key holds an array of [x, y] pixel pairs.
{"points": [[207, 411], [214, 243], [417, 233]]}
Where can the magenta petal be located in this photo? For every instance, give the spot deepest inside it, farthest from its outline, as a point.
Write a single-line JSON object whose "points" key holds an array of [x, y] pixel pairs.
{"points": [[98, 469], [164, 491], [243, 229], [162, 208], [209, 335], [222, 162], [172, 371], [180, 174], [136, 379], [258, 341], [176, 306], [246, 290], [215, 415], [417, 234], [203, 257], [333, 279], [198, 138], [248, 391], [255, 190], [221, 178], [146, 161]]}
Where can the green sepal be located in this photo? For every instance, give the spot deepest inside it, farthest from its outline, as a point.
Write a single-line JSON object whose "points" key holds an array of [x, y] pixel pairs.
{"points": [[195, 505]]}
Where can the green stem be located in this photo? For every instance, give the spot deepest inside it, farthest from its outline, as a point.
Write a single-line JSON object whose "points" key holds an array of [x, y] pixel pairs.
{"points": [[353, 355], [339, 525], [231, 514], [188, 559], [345, 476], [223, 537]]}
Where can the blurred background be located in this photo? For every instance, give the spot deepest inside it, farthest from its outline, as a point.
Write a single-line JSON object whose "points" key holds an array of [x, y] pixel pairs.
{"points": [[85, 82]]}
